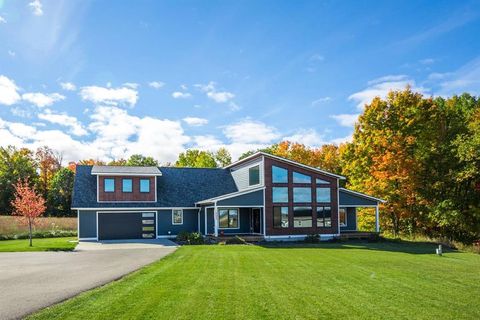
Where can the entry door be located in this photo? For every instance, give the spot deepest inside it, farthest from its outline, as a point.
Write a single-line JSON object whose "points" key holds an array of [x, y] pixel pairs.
{"points": [[256, 220]]}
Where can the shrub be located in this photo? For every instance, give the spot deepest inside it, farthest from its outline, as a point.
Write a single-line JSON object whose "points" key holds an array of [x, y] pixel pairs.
{"points": [[312, 238], [185, 237], [40, 234]]}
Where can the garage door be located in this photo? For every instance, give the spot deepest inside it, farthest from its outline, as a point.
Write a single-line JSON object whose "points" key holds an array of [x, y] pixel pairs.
{"points": [[126, 225]]}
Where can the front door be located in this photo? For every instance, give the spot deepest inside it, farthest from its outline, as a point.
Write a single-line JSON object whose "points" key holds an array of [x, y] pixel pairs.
{"points": [[256, 220]]}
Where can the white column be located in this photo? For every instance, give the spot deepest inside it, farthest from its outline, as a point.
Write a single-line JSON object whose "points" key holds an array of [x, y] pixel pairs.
{"points": [[377, 220], [215, 219]]}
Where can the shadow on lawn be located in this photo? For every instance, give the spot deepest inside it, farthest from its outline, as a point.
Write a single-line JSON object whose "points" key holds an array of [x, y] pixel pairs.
{"points": [[404, 246]]}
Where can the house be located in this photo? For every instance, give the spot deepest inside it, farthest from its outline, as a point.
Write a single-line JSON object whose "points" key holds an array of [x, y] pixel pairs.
{"points": [[262, 195]]}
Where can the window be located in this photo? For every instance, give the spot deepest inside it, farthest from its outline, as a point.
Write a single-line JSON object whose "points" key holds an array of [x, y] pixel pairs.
{"points": [[320, 181], [301, 178], [279, 175], [144, 185], [148, 215], [254, 175], [228, 218], [177, 216], [109, 185], [302, 194], [280, 217], [279, 194], [323, 194], [302, 217], [126, 185], [324, 217], [343, 216]]}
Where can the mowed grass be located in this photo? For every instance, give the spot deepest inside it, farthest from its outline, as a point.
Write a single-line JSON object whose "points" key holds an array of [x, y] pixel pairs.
{"points": [[325, 281], [42, 244], [9, 225]]}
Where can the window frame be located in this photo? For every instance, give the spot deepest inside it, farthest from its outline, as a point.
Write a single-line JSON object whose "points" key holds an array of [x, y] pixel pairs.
{"points": [[123, 185], [340, 219], [273, 181], [281, 216], [140, 185], [306, 188], [228, 218], [288, 196], [296, 173], [173, 217], [311, 216], [323, 216], [257, 167], [105, 184], [329, 194]]}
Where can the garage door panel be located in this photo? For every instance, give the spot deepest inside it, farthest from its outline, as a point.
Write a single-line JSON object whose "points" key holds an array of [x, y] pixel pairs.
{"points": [[126, 225]]}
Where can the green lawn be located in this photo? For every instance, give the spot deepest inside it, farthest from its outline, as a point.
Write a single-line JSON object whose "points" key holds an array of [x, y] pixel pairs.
{"points": [[330, 281], [39, 244]]}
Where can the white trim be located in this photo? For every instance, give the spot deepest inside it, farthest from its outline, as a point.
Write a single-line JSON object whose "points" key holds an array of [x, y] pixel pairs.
{"points": [[96, 214], [366, 196], [135, 208], [377, 220], [230, 195], [78, 224], [128, 174], [285, 160], [296, 237], [87, 239], [338, 205], [173, 219], [198, 220], [134, 211], [170, 236], [358, 206], [263, 212], [238, 217]]}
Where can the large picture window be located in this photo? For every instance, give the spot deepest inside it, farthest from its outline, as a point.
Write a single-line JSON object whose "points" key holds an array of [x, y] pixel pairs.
{"points": [[279, 175], [280, 194], [302, 217], [321, 181], [324, 217], [323, 195], [254, 175], [228, 218], [280, 217], [177, 216], [126, 185], [144, 185], [301, 178], [302, 195], [109, 185]]}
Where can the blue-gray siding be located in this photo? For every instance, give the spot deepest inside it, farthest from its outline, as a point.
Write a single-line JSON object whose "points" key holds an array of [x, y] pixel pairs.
{"points": [[87, 224], [165, 223], [248, 199], [348, 199], [351, 220]]}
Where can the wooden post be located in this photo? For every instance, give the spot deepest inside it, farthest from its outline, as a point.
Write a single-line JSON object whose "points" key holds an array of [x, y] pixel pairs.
{"points": [[377, 220]]}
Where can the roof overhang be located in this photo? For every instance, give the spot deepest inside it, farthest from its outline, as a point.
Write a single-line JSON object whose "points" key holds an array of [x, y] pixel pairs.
{"points": [[363, 195], [229, 195], [125, 171], [261, 153]]}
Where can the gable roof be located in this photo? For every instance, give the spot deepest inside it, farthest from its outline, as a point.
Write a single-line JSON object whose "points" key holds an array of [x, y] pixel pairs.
{"points": [[176, 187], [261, 153], [361, 195], [126, 170]]}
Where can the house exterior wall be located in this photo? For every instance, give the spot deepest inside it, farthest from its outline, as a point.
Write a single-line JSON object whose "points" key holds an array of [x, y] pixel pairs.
{"points": [[118, 195], [270, 230], [248, 199], [348, 199], [87, 224], [240, 173], [351, 220], [167, 228]]}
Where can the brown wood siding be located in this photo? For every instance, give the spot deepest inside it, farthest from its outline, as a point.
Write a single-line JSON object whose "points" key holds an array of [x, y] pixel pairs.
{"points": [[118, 195], [269, 205]]}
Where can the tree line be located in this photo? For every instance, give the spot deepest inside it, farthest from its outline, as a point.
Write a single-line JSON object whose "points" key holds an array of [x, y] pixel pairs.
{"points": [[420, 154]]}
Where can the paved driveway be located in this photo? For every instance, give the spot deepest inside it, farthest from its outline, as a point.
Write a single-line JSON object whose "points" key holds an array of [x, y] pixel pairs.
{"points": [[30, 281]]}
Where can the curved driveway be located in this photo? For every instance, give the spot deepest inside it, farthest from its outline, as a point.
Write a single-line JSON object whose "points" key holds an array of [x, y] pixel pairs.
{"points": [[30, 281]]}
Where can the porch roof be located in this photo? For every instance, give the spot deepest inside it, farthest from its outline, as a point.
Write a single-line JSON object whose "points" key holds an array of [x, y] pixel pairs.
{"points": [[354, 198]]}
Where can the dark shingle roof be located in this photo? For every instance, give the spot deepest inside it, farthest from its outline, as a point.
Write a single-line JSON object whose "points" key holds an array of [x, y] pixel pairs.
{"points": [[125, 170], [177, 187]]}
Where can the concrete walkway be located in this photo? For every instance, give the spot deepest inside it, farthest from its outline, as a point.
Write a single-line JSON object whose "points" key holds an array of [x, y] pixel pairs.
{"points": [[30, 281]]}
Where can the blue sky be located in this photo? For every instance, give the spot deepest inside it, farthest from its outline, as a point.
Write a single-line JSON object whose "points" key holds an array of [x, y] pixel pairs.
{"points": [[106, 79]]}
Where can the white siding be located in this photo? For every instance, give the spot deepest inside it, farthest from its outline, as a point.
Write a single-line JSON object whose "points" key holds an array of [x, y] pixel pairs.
{"points": [[240, 174]]}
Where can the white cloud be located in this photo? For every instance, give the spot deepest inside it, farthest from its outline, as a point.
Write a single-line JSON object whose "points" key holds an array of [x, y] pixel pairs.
{"points": [[109, 96], [132, 85], [181, 95], [156, 84], [41, 99], [309, 137], [11, 53], [321, 101], [317, 57], [68, 86], [8, 91], [345, 120], [36, 7], [381, 86], [427, 61], [215, 95], [193, 121], [465, 79], [76, 128], [249, 131], [2, 20]]}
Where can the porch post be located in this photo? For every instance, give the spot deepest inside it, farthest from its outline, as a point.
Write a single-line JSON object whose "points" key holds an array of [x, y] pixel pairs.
{"points": [[377, 220], [215, 219]]}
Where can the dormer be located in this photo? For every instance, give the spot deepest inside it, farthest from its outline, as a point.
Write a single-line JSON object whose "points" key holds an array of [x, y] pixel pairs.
{"points": [[126, 183]]}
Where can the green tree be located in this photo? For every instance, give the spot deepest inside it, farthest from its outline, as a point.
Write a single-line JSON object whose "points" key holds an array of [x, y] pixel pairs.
{"points": [[196, 159], [60, 193], [223, 157], [142, 161], [15, 164]]}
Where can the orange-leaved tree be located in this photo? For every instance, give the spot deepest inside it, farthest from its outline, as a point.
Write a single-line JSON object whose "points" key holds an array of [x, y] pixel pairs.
{"points": [[28, 205]]}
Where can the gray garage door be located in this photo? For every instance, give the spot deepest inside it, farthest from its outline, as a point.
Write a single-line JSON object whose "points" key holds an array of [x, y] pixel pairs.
{"points": [[126, 225]]}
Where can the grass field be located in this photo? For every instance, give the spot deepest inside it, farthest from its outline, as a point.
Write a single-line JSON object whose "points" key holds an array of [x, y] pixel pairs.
{"points": [[43, 244], [10, 226], [330, 281]]}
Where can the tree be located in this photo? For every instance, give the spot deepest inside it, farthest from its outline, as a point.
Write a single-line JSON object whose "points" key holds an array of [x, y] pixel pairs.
{"points": [[14, 164], [119, 162], [196, 159], [142, 161], [48, 163], [223, 157], [60, 192], [91, 162], [28, 204]]}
